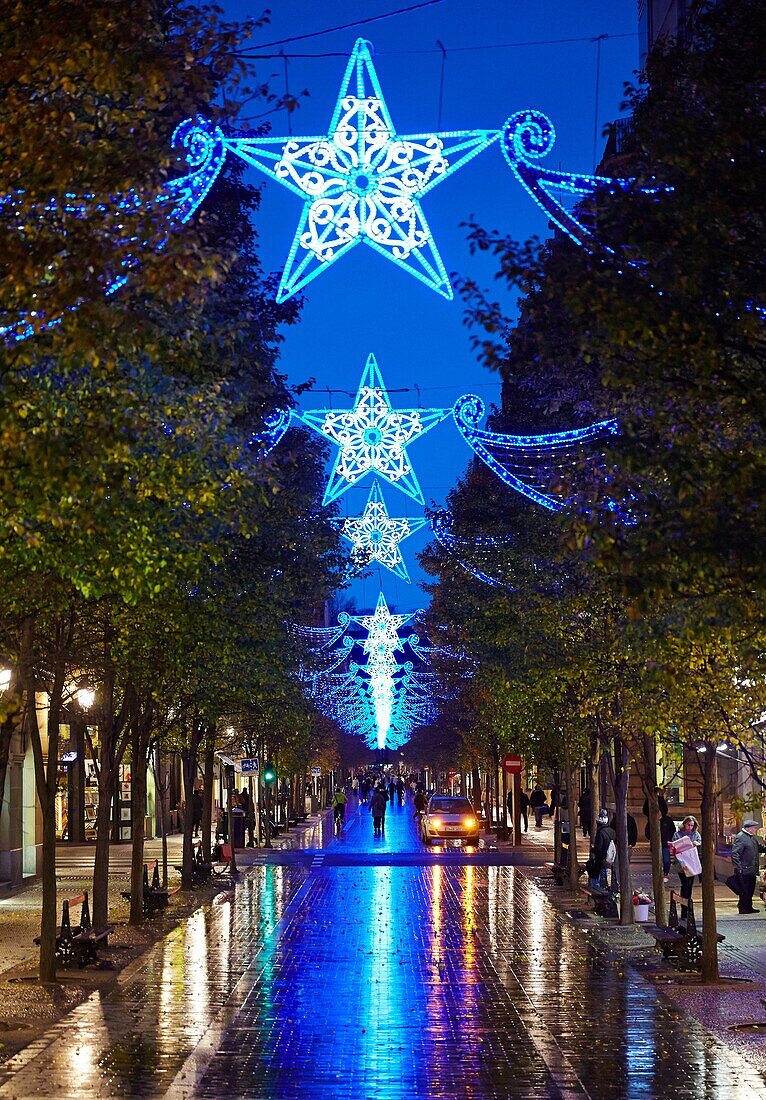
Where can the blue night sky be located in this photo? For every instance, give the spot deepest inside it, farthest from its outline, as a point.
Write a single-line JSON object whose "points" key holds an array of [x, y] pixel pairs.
{"points": [[501, 57]]}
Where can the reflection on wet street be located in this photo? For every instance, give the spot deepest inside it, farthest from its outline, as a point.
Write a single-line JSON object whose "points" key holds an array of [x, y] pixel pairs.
{"points": [[336, 977]]}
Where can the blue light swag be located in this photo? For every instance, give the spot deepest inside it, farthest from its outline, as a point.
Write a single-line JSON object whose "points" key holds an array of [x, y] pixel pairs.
{"points": [[203, 147], [530, 464], [461, 548], [375, 536], [372, 437], [362, 183], [529, 135]]}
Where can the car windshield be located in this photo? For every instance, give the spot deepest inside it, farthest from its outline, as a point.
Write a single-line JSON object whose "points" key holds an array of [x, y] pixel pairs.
{"points": [[450, 806]]}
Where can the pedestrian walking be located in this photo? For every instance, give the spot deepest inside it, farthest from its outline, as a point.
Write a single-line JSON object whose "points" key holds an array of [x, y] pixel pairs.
{"points": [[539, 805], [584, 811], [391, 791], [604, 858], [632, 831], [660, 802], [378, 803], [400, 790], [745, 856], [196, 811], [523, 809], [338, 803], [667, 832], [684, 848]]}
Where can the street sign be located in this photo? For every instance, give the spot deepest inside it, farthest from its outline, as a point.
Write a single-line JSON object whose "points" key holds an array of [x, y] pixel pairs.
{"points": [[316, 772], [249, 767], [512, 764]]}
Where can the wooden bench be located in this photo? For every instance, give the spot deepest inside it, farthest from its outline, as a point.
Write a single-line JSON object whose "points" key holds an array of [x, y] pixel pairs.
{"points": [[154, 897], [679, 941], [201, 870], [559, 871], [604, 901], [79, 944]]}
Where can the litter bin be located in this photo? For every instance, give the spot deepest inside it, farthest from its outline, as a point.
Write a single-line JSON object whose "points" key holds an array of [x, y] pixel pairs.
{"points": [[641, 911], [238, 828]]}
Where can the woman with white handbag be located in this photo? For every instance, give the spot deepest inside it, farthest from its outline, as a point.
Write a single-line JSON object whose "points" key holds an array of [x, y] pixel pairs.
{"points": [[683, 847]]}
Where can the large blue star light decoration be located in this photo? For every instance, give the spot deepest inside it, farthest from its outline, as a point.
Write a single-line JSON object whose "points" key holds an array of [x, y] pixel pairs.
{"points": [[372, 437], [376, 537], [362, 183]]}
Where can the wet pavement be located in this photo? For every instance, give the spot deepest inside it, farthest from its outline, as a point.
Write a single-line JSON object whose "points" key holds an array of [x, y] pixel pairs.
{"points": [[370, 968]]}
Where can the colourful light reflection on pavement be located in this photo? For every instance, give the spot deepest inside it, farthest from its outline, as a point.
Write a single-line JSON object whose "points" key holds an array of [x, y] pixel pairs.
{"points": [[351, 978]]}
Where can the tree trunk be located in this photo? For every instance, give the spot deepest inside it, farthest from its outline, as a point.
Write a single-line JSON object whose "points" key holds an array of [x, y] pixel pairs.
{"points": [[207, 802], [189, 767], [476, 788], [161, 787], [103, 839], [709, 769], [138, 805], [569, 781], [620, 788], [649, 783], [595, 793], [45, 785], [112, 746]]}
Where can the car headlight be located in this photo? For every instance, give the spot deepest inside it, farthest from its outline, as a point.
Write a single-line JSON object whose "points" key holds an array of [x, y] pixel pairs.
{"points": [[435, 822], [469, 822]]}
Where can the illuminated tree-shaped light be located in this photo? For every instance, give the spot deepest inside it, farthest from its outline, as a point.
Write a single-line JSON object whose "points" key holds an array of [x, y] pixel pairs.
{"points": [[361, 183], [376, 537], [372, 437]]}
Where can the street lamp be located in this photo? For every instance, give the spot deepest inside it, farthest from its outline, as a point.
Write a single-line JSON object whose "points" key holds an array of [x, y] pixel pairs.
{"points": [[86, 697], [5, 678]]}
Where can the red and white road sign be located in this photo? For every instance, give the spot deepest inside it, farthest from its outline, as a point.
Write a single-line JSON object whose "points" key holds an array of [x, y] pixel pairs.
{"points": [[512, 764]]}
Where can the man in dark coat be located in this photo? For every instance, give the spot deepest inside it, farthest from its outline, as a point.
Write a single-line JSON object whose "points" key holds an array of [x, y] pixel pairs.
{"points": [[539, 804], [745, 856], [378, 804], [196, 811], [600, 866], [584, 809]]}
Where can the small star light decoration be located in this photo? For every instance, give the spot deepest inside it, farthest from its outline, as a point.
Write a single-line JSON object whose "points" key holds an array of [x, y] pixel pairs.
{"points": [[376, 537], [382, 640], [362, 182], [372, 437]]}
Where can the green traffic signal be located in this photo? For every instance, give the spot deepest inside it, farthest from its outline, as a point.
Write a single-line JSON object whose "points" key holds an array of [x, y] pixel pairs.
{"points": [[269, 774]]}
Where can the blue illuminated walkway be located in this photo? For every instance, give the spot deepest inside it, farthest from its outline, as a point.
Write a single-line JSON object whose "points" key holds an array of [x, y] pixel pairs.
{"points": [[337, 977]]}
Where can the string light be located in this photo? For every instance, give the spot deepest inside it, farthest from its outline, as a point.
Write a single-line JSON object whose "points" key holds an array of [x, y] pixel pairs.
{"points": [[526, 463], [203, 146], [529, 135]]}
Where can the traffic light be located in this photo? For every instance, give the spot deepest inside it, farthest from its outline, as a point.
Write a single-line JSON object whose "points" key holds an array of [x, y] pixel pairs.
{"points": [[269, 774]]}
